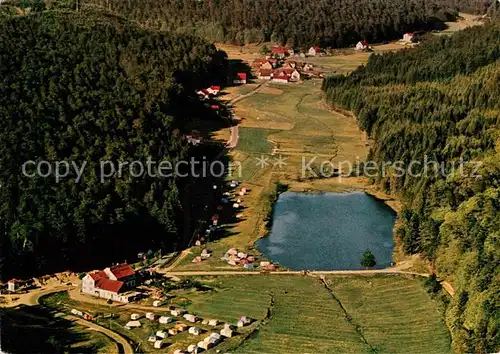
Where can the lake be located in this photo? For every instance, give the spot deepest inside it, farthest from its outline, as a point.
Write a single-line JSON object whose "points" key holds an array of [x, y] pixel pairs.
{"points": [[329, 231]]}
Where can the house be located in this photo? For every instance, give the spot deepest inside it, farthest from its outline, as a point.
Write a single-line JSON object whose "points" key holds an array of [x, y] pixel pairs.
{"points": [[293, 75], [195, 331], [196, 259], [213, 90], [248, 266], [179, 351], [150, 316], [362, 45], [173, 331], [281, 78], [264, 74], [162, 334], [274, 62], [281, 52], [135, 316], [166, 319], [265, 264], [76, 312], [213, 322], [14, 284], [152, 338], [251, 258], [158, 344], [226, 332], [241, 78], [242, 255], [203, 94], [110, 283], [313, 51], [408, 37]]}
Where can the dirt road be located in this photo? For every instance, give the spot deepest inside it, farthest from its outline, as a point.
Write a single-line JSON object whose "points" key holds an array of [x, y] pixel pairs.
{"points": [[296, 272], [33, 299]]}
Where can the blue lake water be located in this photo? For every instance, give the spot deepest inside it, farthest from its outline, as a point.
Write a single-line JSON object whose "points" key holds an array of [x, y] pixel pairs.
{"points": [[329, 231]]}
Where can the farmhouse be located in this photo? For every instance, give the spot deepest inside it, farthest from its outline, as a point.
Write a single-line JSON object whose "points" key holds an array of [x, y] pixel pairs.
{"points": [[111, 283], [241, 78], [292, 74], [281, 52], [313, 51], [281, 78], [214, 90], [264, 74], [362, 45]]}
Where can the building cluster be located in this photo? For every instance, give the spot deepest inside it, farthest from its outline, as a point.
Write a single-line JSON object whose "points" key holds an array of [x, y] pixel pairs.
{"points": [[278, 67]]}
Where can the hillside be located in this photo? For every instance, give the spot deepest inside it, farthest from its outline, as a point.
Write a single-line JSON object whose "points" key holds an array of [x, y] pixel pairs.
{"points": [[298, 23], [439, 105], [80, 90]]}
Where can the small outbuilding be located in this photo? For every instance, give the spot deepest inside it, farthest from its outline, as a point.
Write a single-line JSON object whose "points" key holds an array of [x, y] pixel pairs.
{"points": [[177, 312], [150, 316], [152, 338], [213, 322]]}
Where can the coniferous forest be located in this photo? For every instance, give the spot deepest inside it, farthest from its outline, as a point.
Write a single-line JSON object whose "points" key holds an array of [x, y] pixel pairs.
{"points": [[86, 88], [441, 102], [298, 23]]}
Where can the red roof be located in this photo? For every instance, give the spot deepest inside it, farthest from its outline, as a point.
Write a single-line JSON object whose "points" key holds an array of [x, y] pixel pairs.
{"points": [[215, 106], [215, 88], [109, 285], [273, 60], [410, 34], [99, 275], [15, 281], [317, 49], [242, 76], [122, 271], [364, 43], [265, 72], [260, 61], [288, 71]]}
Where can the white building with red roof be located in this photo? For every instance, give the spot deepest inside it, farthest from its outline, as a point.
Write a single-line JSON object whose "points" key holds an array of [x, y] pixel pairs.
{"points": [[110, 283]]}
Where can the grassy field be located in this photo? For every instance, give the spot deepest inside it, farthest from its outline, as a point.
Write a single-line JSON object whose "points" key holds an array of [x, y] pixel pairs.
{"points": [[298, 314]]}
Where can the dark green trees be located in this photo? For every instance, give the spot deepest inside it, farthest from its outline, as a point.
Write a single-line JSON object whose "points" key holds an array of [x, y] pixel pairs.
{"points": [[436, 111], [368, 259]]}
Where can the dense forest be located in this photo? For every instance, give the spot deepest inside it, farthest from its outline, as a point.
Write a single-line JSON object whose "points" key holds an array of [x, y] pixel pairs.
{"points": [[86, 88], [441, 103], [298, 23]]}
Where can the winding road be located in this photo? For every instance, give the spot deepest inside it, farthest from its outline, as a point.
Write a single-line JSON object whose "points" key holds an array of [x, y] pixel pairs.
{"points": [[34, 300]]}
